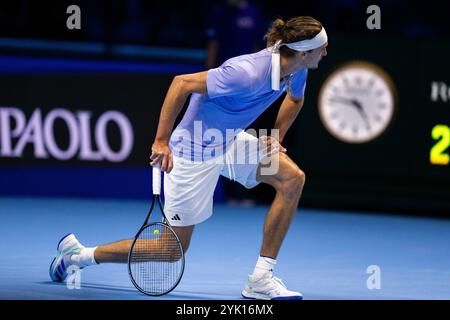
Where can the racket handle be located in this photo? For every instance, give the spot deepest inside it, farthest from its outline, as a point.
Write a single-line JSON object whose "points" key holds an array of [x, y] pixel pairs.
{"points": [[156, 177]]}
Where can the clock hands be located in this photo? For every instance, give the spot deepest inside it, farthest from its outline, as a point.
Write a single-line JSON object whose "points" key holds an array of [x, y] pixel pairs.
{"points": [[356, 104], [341, 99], [361, 111]]}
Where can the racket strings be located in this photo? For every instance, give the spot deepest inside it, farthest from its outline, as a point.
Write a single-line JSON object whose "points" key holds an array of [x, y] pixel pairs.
{"points": [[156, 259]]}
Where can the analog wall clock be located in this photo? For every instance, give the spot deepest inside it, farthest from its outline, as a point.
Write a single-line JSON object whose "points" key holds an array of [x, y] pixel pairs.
{"points": [[357, 102]]}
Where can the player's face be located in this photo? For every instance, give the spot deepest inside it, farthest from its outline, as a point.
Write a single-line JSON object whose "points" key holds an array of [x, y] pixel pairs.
{"points": [[311, 59]]}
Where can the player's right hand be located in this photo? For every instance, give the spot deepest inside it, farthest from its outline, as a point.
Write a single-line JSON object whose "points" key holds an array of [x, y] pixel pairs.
{"points": [[162, 155]]}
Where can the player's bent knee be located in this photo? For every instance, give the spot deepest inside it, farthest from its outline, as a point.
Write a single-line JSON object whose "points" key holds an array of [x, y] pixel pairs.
{"points": [[301, 177], [185, 245], [292, 184]]}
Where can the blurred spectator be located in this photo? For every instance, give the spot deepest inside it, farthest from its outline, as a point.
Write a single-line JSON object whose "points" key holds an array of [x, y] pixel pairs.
{"points": [[233, 28], [100, 18], [135, 28]]}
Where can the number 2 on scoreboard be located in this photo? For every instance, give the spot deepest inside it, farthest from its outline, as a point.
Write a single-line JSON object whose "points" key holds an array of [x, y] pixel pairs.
{"points": [[437, 154]]}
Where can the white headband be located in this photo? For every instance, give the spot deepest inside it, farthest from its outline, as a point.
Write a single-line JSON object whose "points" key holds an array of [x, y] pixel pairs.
{"points": [[305, 45]]}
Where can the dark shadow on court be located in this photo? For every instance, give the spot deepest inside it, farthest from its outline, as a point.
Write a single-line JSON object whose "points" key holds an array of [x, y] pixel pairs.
{"points": [[93, 286], [174, 295]]}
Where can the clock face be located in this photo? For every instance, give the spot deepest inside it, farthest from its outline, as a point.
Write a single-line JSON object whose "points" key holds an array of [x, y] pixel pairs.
{"points": [[357, 102]]}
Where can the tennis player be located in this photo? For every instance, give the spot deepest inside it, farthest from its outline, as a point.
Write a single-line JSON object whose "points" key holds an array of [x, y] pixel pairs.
{"points": [[231, 96]]}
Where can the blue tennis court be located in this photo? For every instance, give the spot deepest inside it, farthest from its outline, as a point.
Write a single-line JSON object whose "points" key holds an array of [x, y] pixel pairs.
{"points": [[325, 254]]}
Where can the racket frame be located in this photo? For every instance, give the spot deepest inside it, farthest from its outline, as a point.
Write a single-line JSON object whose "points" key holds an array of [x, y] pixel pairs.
{"points": [[156, 199]]}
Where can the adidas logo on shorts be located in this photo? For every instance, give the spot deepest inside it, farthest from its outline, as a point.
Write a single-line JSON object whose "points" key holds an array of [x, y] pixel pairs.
{"points": [[176, 217]]}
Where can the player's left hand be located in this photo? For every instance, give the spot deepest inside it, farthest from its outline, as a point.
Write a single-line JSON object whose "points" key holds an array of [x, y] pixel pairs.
{"points": [[272, 144]]}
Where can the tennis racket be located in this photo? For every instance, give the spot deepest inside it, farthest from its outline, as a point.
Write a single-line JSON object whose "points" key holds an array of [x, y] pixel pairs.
{"points": [[156, 257]]}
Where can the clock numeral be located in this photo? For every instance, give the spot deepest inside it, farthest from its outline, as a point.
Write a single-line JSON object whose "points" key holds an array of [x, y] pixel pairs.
{"points": [[334, 115], [382, 105], [342, 125], [377, 118], [370, 83], [346, 81], [355, 130], [331, 101], [379, 93]]}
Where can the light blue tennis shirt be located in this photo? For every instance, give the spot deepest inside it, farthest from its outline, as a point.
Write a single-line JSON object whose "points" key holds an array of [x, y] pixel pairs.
{"points": [[237, 93]]}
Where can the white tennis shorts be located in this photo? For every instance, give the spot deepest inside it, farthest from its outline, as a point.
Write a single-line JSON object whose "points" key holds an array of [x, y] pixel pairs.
{"points": [[189, 187]]}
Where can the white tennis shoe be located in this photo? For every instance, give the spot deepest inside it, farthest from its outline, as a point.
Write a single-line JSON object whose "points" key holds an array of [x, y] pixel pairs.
{"points": [[67, 246], [268, 287]]}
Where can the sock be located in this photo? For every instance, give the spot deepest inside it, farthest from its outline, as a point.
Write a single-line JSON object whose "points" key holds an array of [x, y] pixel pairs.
{"points": [[84, 258], [263, 266]]}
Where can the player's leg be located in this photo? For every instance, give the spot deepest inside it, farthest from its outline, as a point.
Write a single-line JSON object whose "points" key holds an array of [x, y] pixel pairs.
{"points": [[279, 171], [288, 183], [117, 252], [72, 253]]}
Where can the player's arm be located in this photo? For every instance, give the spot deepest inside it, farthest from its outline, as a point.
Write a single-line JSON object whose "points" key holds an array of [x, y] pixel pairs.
{"points": [[181, 87], [289, 110]]}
